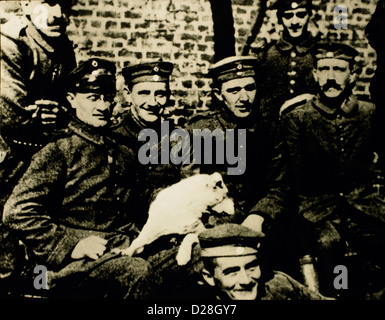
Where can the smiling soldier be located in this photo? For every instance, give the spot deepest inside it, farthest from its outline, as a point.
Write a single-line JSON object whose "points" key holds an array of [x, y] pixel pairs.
{"points": [[234, 268], [147, 92]]}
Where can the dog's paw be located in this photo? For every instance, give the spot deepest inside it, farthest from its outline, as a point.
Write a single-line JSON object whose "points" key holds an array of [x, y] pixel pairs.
{"points": [[185, 249], [183, 257]]}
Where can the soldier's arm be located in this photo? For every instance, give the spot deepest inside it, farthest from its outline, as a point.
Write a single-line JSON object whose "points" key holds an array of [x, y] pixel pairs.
{"points": [[17, 112], [15, 62], [274, 202], [33, 207]]}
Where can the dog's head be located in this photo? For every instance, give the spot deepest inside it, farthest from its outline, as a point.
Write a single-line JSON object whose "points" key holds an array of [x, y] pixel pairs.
{"points": [[216, 192]]}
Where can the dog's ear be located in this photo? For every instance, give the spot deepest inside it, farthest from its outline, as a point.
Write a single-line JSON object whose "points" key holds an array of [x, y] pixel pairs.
{"points": [[216, 181]]}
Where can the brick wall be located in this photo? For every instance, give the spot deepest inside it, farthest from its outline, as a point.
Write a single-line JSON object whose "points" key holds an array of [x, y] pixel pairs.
{"points": [[129, 31]]}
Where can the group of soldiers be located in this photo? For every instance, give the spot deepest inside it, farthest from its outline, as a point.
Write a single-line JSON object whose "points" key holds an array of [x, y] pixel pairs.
{"points": [[72, 187]]}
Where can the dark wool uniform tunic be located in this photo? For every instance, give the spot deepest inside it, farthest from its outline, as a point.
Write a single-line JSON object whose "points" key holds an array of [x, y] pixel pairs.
{"points": [[80, 185], [286, 70], [331, 162], [31, 69], [259, 188], [153, 176]]}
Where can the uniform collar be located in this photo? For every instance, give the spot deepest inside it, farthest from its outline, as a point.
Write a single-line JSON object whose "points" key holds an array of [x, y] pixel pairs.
{"points": [[349, 106], [302, 47], [87, 132]]}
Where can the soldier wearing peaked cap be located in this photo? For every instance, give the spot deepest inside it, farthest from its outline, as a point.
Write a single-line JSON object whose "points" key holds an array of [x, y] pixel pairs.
{"points": [[286, 5], [329, 146], [147, 93], [234, 268], [258, 189], [66, 209], [286, 64], [95, 75]]}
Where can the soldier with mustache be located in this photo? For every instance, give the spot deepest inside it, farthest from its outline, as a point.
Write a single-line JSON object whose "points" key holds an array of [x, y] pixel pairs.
{"points": [[333, 164]]}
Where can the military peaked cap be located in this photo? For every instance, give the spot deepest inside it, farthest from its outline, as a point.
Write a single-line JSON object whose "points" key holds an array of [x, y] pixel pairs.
{"points": [[158, 71], [234, 67], [229, 240], [285, 5], [93, 75], [334, 50]]}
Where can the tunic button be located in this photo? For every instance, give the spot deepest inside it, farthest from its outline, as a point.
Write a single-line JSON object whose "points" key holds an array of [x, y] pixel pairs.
{"points": [[342, 139], [292, 81], [293, 63], [343, 150], [293, 54], [291, 91], [341, 194]]}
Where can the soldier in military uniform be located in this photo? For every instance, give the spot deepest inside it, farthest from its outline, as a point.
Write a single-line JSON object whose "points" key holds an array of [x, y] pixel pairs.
{"points": [[235, 268], [331, 158], [259, 193], [147, 91], [287, 63], [34, 56], [235, 99], [75, 201]]}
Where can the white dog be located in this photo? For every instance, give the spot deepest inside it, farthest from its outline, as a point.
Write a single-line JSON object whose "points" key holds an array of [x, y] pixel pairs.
{"points": [[178, 209]]}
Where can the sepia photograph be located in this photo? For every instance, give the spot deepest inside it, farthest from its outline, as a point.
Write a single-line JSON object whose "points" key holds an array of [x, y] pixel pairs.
{"points": [[192, 150]]}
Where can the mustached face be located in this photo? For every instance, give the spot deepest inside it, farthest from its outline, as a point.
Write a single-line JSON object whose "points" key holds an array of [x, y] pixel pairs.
{"points": [[333, 76], [295, 21]]}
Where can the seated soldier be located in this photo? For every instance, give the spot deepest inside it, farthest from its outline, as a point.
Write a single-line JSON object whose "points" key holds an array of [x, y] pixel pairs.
{"points": [[147, 91], [331, 153], [74, 202], [234, 268]]}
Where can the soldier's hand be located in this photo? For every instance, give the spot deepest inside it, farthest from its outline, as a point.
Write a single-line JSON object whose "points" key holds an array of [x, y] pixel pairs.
{"points": [[46, 110], [92, 247]]}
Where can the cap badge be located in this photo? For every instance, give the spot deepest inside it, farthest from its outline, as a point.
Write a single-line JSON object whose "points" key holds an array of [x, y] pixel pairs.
{"points": [[156, 69], [329, 54], [239, 66], [94, 63], [294, 5]]}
